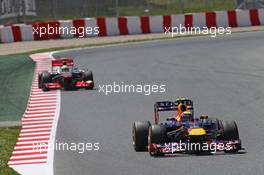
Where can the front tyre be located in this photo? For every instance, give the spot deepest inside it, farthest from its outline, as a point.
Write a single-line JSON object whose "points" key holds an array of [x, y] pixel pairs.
{"points": [[230, 132], [88, 76], [140, 135], [45, 78], [157, 135], [39, 81]]}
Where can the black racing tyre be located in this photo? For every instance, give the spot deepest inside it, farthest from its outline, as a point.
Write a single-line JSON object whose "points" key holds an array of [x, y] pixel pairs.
{"points": [[140, 135], [39, 81], [45, 78], [230, 132], [88, 75], [158, 134]]}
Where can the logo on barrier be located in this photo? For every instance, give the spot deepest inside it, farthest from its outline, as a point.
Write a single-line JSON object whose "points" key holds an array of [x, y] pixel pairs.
{"points": [[192, 30], [55, 30]]}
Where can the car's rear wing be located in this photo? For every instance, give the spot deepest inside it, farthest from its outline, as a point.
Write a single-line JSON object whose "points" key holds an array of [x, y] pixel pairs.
{"points": [[61, 62], [165, 106], [171, 106], [185, 101]]}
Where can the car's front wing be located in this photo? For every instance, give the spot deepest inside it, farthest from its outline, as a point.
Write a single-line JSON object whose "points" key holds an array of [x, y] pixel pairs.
{"points": [[191, 147], [78, 84]]}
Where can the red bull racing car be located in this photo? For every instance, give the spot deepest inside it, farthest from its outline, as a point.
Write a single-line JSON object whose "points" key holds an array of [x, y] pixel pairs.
{"points": [[183, 133], [65, 76]]}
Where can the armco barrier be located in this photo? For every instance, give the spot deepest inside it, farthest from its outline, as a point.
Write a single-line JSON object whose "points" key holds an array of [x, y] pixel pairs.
{"points": [[133, 25]]}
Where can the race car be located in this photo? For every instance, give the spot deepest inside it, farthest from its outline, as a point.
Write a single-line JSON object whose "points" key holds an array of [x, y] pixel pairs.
{"points": [[65, 76], [181, 132]]}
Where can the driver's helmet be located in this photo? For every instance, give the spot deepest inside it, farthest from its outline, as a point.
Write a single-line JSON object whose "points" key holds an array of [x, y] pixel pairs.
{"points": [[64, 67], [186, 116], [181, 108]]}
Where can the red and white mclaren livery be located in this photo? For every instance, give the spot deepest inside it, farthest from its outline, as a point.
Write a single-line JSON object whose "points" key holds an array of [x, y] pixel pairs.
{"points": [[65, 76]]}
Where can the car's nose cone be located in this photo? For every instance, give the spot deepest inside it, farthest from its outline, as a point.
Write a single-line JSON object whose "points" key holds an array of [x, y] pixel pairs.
{"points": [[196, 131]]}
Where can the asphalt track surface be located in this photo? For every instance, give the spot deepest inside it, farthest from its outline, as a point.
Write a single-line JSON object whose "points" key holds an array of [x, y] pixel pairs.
{"points": [[224, 76]]}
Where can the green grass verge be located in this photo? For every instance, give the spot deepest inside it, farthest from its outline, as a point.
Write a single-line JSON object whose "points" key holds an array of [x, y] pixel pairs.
{"points": [[8, 137], [16, 73]]}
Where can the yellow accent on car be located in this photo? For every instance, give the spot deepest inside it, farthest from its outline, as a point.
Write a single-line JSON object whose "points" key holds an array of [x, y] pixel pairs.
{"points": [[196, 131]]}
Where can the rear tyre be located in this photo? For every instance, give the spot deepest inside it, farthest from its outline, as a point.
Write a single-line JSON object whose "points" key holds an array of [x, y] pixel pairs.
{"points": [[230, 132], [140, 135]]}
